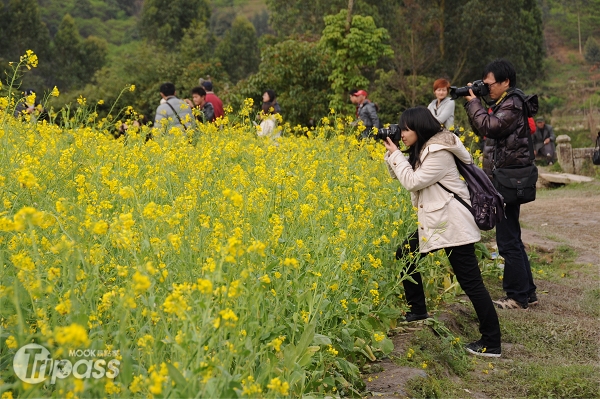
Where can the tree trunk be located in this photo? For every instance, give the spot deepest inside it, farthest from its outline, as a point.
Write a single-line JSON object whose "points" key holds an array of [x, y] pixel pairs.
{"points": [[349, 16], [579, 32], [442, 26]]}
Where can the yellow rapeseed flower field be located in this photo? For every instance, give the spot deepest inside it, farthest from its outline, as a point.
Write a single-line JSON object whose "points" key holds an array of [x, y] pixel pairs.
{"points": [[210, 263]]}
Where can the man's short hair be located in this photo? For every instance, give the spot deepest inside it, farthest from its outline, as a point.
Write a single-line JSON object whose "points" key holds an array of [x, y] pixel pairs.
{"points": [[199, 91], [441, 84], [502, 70], [167, 88], [207, 84], [353, 92]]}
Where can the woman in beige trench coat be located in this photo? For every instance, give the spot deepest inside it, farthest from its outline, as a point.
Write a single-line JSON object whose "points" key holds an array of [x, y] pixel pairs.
{"points": [[443, 223]]}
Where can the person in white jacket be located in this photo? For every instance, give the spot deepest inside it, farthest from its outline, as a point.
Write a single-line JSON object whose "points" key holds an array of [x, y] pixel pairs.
{"points": [[442, 108], [443, 222]]}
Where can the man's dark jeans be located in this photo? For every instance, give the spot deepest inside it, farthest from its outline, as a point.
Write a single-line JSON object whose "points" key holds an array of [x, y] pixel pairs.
{"points": [[465, 266], [518, 281]]}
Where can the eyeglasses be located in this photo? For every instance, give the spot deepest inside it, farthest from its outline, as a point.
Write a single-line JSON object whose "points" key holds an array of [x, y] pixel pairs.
{"points": [[489, 85]]}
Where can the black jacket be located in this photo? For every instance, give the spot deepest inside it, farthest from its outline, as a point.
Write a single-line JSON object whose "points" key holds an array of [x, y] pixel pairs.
{"points": [[505, 129]]}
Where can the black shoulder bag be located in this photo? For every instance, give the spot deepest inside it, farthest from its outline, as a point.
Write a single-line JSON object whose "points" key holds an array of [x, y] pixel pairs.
{"points": [[517, 183], [596, 154]]}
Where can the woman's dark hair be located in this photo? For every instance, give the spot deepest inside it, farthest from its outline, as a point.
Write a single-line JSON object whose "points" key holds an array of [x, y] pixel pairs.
{"points": [[419, 120], [271, 94]]}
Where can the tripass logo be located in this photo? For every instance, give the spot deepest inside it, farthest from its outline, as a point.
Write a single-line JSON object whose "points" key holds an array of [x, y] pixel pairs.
{"points": [[33, 364]]}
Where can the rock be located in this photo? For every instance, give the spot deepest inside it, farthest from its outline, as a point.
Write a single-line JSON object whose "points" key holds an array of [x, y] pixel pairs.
{"points": [[564, 178]]}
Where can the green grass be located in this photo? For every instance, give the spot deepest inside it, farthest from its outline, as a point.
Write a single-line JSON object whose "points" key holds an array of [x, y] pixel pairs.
{"points": [[548, 352]]}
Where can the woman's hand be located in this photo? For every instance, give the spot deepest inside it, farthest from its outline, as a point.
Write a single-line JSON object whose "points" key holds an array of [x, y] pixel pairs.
{"points": [[391, 147]]}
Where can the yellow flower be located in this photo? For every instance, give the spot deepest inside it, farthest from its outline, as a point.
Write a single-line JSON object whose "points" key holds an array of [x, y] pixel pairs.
{"points": [[332, 350], [204, 286], [100, 102], [30, 59], [145, 341], [11, 342], [111, 389], [132, 88], [26, 178], [55, 92], [64, 307], [276, 343], [74, 335], [265, 279], [100, 227], [141, 282], [279, 387]]}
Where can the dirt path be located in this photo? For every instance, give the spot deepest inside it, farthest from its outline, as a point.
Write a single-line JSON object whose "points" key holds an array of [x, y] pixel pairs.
{"points": [[565, 216], [563, 326]]}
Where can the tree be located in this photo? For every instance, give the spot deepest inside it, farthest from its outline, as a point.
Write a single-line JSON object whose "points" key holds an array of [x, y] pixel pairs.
{"points": [[22, 29], [238, 50], [298, 72], [93, 51], [75, 60], [591, 51], [66, 54], [352, 45], [164, 21]]}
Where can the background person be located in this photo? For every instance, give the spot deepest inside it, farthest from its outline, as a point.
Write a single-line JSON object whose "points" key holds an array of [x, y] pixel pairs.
{"points": [[444, 223], [366, 112], [173, 112], [205, 110], [505, 127], [270, 104], [543, 141], [30, 105], [212, 98], [442, 108], [269, 108]]}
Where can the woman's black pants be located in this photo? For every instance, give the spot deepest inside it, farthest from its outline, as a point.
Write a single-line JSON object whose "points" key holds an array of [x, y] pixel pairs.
{"points": [[464, 263]]}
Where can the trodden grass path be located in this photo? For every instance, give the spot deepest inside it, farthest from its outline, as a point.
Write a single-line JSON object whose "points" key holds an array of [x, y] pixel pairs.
{"points": [[550, 350]]}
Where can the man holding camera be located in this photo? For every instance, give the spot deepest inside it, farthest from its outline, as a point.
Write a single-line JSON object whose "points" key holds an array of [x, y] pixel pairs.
{"points": [[504, 125]]}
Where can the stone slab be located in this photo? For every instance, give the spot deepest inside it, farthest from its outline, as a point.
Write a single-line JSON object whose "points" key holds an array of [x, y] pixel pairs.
{"points": [[565, 178]]}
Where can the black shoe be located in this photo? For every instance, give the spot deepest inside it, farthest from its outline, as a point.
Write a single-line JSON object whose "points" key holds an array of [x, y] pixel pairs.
{"points": [[479, 349], [410, 316], [533, 300]]}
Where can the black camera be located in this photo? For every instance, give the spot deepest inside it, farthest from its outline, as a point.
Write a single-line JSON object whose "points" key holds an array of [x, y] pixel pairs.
{"points": [[393, 132], [479, 88]]}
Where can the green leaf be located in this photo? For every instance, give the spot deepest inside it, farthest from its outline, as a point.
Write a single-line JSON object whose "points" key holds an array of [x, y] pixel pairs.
{"points": [[320, 339]]}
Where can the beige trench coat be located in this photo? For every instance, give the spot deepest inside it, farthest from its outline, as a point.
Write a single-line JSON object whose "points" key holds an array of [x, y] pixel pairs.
{"points": [[443, 221]]}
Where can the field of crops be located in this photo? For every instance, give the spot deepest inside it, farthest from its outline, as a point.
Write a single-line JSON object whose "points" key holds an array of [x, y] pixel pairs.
{"points": [[209, 263]]}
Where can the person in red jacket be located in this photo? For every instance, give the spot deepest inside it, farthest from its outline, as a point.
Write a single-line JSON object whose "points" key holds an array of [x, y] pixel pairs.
{"points": [[212, 98]]}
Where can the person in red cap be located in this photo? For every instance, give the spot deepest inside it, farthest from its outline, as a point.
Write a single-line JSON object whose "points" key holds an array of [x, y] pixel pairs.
{"points": [[365, 111]]}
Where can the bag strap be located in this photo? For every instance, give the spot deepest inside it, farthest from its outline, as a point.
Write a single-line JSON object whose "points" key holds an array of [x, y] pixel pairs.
{"points": [[462, 201], [177, 115]]}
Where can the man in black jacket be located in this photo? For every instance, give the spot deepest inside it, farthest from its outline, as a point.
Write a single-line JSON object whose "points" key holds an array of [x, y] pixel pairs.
{"points": [[543, 141], [366, 112], [505, 127]]}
